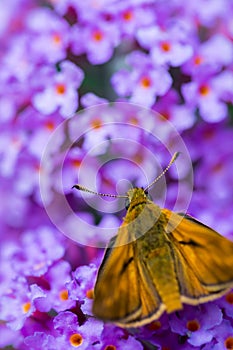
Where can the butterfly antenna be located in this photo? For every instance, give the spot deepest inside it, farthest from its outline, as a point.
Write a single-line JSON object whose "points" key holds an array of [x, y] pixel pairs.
{"points": [[174, 157], [84, 189]]}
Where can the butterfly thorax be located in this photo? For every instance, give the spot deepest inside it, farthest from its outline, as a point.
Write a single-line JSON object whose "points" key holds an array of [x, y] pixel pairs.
{"points": [[142, 213]]}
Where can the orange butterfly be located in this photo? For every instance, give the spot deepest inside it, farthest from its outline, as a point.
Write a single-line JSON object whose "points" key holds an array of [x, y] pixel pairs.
{"points": [[157, 261]]}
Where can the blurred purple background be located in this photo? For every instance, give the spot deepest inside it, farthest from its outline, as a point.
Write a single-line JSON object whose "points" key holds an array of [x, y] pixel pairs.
{"points": [[59, 57]]}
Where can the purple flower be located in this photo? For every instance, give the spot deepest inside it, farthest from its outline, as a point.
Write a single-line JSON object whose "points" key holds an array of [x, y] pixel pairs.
{"points": [[196, 323], [130, 16], [17, 52], [11, 144], [164, 45], [210, 56], [47, 30], [72, 165], [226, 304], [56, 293], [85, 336], [222, 84], [91, 99], [59, 90], [37, 251], [202, 93], [114, 337], [7, 109], [144, 83], [15, 208], [170, 107], [97, 40], [82, 285], [41, 134], [222, 337], [209, 16], [41, 340], [18, 302], [10, 336]]}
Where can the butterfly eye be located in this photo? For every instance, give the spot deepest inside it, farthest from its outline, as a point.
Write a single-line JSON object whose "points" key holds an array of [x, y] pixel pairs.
{"points": [[127, 203]]}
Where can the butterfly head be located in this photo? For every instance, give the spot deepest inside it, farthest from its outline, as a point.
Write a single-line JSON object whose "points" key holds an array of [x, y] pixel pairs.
{"points": [[135, 196]]}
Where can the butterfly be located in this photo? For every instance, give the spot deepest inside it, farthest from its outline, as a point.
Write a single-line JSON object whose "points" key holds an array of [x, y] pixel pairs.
{"points": [[158, 261]]}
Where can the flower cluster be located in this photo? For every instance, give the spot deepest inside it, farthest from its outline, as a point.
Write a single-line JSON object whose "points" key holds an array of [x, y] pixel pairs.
{"points": [[168, 68]]}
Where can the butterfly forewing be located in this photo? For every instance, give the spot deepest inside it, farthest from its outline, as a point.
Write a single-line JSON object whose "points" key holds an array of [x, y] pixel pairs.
{"points": [[116, 293]]}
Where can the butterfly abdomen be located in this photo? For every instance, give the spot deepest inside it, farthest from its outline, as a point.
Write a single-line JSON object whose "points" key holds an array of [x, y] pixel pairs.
{"points": [[159, 263]]}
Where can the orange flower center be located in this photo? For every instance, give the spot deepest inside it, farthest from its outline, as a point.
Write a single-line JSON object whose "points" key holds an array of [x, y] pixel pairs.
{"points": [[154, 326], [26, 307], [96, 123], [229, 298], [50, 125], [138, 158], [145, 82], [97, 35], [127, 15], [208, 134], [193, 325], [76, 340], [229, 343], [60, 88], [217, 167], [76, 163], [133, 120], [204, 90], [63, 295], [110, 347], [165, 116], [165, 46], [56, 39], [198, 60], [90, 294]]}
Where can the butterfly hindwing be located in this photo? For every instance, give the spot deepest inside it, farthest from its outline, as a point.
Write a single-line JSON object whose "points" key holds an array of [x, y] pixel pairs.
{"points": [[202, 250]]}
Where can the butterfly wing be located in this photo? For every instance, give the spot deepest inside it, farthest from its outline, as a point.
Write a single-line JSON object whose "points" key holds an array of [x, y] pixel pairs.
{"points": [[116, 293], [130, 299], [151, 304], [203, 258]]}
